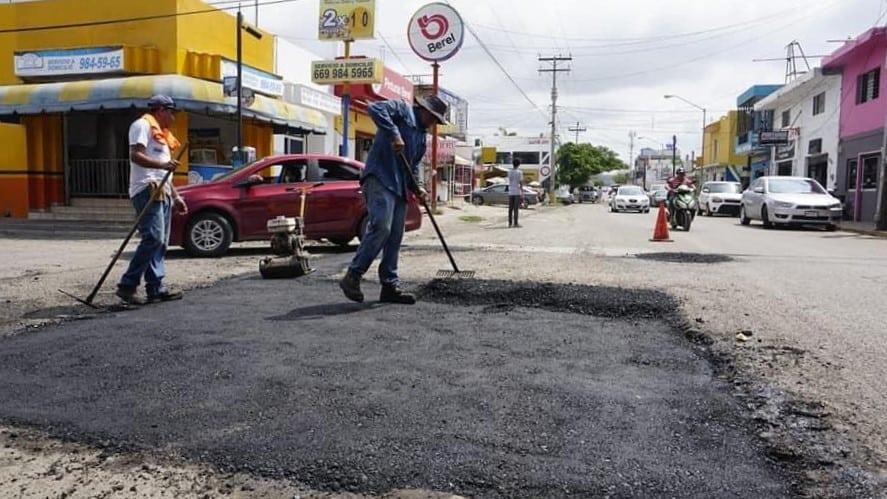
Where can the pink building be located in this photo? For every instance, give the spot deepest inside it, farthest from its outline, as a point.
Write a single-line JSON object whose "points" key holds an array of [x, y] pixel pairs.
{"points": [[861, 62]]}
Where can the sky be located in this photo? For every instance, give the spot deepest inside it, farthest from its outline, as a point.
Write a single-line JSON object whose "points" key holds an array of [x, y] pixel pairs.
{"points": [[627, 55]]}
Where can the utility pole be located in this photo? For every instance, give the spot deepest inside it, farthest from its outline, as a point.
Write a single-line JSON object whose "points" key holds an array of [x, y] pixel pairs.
{"points": [[674, 154], [631, 136], [577, 129], [554, 70]]}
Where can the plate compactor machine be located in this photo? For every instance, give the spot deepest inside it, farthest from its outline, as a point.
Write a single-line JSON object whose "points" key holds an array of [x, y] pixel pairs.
{"points": [[288, 246]]}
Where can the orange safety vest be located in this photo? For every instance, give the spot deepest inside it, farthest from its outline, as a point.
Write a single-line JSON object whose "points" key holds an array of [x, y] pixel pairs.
{"points": [[162, 135]]}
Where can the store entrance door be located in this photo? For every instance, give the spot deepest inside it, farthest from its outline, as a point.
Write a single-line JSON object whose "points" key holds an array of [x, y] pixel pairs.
{"points": [[97, 153], [817, 169]]}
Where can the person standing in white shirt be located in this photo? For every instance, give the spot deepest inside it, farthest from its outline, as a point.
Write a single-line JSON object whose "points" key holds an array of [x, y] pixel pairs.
{"points": [[151, 144], [515, 192]]}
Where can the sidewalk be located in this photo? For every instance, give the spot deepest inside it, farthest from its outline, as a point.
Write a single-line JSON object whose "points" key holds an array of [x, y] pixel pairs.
{"points": [[866, 228]]}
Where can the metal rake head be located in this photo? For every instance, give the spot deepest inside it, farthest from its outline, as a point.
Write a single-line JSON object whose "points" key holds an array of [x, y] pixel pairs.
{"points": [[452, 274]]}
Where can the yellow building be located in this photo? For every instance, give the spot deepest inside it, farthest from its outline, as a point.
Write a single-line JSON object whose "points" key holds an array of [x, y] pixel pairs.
{"points": [[75, 74], [720, 161]]}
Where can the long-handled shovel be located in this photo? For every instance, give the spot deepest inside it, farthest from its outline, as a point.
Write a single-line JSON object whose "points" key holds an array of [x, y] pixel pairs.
{"points": [[135, 226], [441, 274]]}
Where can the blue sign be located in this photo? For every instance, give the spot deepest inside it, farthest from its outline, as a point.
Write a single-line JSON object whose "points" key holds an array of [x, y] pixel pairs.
{"points": [[95, 60]]}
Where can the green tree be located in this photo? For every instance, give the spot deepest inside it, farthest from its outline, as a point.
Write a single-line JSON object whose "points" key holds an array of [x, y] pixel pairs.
{"points": [[577, 163], [621, 179]]}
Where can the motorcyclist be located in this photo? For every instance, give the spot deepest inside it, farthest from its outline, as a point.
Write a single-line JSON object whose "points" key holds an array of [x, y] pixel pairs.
{"points": [[680, 178]]}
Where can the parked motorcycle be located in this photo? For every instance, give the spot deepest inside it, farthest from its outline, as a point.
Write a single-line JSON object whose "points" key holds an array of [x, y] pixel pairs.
{"points": [[685, 207]]}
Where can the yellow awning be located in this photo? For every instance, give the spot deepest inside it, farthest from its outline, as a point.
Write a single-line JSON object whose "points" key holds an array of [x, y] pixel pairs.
{"points": [[190, 94]]}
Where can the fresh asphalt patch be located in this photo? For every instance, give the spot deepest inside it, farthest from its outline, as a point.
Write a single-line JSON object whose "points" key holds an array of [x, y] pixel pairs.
{"points": [[487, 389], [685, 257]]}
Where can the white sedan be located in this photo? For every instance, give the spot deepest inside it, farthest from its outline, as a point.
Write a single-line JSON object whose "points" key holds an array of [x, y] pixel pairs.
{"points": [[630, 198], [789, 201]]}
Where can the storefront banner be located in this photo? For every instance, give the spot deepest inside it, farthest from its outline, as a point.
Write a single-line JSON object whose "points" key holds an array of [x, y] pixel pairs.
{"points": [[256, 79], [446, 151], [457, 115], [353, 70], [96, 60], [313, 98], [342, 20], [394, 86]]}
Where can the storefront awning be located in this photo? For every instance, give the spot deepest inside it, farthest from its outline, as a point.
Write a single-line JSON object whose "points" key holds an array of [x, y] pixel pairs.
{"points": [[190, 94]]}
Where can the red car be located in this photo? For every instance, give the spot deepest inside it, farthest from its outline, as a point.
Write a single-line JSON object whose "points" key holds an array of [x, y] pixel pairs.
{"points": [[237, 206]]}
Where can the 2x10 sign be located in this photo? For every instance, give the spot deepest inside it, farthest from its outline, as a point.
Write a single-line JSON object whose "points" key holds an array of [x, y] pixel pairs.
{"points": [[347, 71], [342, 20]]}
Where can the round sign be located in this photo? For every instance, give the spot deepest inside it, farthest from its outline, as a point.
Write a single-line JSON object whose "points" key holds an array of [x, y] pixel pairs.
{"points": [[436, 32], [544, 171]]}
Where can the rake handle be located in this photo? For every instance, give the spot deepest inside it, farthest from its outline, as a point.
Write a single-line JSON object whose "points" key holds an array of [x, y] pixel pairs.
{"points": [[132, 231], [440, 236]]}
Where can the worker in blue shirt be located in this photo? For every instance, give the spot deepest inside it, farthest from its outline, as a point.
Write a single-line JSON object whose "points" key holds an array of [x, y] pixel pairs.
{"points": [[401, 128]]}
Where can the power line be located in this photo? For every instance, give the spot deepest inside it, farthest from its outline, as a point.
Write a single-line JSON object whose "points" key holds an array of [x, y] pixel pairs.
{"points": [[135, 19], [699, 58]]}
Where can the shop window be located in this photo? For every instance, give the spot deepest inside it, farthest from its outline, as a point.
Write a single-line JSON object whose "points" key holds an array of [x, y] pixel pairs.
{"points": [[870, 171], [867, 86], [851, 174], [786, 118], [527, 158], [784, 169], [814, 147], [819, 104]]}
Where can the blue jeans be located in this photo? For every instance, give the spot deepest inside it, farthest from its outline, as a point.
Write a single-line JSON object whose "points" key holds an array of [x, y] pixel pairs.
{"points": [[149, 256], [387, 215]]}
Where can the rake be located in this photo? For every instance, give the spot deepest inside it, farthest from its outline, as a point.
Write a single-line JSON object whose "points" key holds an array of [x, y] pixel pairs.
{"points": [[441, 274]]}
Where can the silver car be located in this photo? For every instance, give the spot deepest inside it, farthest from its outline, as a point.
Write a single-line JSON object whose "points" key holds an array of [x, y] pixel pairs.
{"points": [[789, 201], [630, 198], [498, 194]]}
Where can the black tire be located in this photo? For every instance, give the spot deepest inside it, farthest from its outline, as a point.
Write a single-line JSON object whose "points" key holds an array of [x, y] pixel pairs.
{"points": [[362, 227], [743, 218], [208, 235], [341, 241], [831, 227], [477, 200], [765, 218]]}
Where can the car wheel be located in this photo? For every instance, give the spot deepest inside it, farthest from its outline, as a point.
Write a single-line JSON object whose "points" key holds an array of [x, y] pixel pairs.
{"points": [[478, 200], [208, 235], [765, 218], [743, 218], [831, 227], [340, 241]]}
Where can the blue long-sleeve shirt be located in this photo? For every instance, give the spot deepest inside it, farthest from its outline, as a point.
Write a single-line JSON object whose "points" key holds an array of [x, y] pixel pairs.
{"points": [[395, 118]]}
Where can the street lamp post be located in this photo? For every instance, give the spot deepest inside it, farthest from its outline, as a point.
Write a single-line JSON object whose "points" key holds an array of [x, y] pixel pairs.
{"points": [[702, 152]]}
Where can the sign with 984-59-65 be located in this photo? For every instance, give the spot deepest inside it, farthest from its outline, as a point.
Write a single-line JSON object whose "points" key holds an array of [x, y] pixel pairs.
{"points": [[354, 70], [347, 19]]}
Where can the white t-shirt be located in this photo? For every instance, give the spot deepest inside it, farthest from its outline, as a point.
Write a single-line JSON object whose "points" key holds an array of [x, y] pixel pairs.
{"points": [[515, 176], [139, 177]]}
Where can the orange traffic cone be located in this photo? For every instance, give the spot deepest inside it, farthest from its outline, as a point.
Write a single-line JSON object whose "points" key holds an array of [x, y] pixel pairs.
{"points": [[660, 232]]}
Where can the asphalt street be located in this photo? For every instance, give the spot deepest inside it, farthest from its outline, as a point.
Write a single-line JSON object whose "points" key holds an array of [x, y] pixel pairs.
{"points": [[495, 399]]}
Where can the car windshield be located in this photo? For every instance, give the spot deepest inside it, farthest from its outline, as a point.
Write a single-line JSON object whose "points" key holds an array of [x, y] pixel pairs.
{"points": [[795, 186], [630, 191], [724, 188]]}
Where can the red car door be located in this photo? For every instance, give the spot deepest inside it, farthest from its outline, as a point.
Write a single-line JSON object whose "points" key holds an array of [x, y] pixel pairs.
{"points": [[278, 195], [335, 207]]}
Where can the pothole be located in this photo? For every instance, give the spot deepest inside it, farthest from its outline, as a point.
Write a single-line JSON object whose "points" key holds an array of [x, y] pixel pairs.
{"points": [[705, 258], [601, 301]]}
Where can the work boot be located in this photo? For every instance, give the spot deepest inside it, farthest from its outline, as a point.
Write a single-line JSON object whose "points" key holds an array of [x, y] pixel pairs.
{"points": [[350, 285], [128, 295], [392, 294], [165, 295]]}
